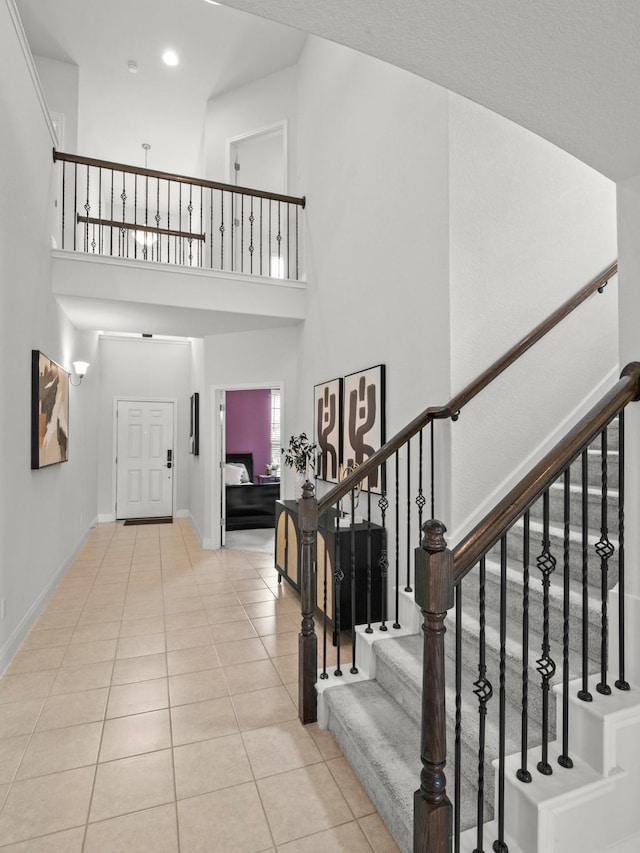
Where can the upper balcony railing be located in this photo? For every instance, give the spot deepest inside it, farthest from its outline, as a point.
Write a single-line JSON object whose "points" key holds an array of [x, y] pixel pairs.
{"points": [[142, 214]]}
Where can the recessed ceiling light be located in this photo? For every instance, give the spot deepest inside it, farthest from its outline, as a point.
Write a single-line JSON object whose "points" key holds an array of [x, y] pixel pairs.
{"points": [[132, 65], [169, 57], [213, 2]]}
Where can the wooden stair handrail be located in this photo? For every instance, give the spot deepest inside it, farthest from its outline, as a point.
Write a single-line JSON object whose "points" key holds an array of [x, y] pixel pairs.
{"points": [[485, 534], [168, 176], [453, 408], [132, 226]]}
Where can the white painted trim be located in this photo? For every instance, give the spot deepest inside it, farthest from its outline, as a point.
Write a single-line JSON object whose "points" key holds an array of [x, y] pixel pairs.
{"points": [[215, 479], [182, 342], [106, 517], [544, 447], [157, 268], [31, 67], [176, 471], [262, 131], [15, 640]]}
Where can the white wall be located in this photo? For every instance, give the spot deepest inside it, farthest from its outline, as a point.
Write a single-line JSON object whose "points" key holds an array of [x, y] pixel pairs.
{"points": [[44, 514], [199, 465], [530, 225], [60, 82], [257, 105], [373, 163], [143, 368]]}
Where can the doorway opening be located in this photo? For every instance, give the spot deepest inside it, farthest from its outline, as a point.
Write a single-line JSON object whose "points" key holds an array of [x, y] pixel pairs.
{"points": [[249, 444]]}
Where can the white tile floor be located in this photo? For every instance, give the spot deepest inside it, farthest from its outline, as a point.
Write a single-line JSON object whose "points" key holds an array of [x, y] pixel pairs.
{"points": [[153, 708]]}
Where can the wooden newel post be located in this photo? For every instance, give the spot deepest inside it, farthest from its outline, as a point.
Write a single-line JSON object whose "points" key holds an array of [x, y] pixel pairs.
{"points": [[307, 639], [432, 815]]}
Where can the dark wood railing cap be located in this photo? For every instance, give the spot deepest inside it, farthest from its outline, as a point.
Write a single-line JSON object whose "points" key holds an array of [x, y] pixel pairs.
{"points": [[507, 511], [170, 176]]}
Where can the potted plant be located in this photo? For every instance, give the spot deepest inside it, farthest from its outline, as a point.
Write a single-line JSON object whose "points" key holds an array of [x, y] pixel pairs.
{"points": [[300, 455]]}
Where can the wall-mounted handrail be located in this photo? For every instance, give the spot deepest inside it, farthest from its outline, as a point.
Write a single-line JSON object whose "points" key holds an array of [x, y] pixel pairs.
{"points": [[487, 533], [457, 403], [169, 176]]}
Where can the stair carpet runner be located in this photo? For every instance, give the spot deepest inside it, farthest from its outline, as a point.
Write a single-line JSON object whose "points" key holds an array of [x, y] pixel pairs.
{"points": [[377, 722]]}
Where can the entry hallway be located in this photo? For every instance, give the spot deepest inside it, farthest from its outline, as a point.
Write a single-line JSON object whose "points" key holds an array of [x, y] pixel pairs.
{"points": [[153, 708]]}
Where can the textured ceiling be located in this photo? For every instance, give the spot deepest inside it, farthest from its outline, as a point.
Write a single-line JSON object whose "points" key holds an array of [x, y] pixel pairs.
{"points": [[569, 70]]}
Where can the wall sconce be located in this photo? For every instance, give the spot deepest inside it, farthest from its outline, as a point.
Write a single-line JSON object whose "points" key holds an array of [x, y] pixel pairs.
{"points": [[79, 368]]}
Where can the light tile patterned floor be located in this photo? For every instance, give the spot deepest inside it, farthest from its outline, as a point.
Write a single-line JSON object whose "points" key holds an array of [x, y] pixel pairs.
{"points": [[152, 708]]}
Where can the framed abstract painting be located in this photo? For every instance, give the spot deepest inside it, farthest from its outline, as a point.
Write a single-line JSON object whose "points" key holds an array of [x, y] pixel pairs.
{"points": [[364, 421], [49, 411], [327, 418]]}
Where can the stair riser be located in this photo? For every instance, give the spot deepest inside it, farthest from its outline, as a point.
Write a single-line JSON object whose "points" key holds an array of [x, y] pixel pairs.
{"points": [[594, 470], [515, 551], [513, 675], [536, 613], [408, 694], [594, 510]]}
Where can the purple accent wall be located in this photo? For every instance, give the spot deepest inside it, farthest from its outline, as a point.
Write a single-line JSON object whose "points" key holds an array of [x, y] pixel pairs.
{"points": [[248, 425]]}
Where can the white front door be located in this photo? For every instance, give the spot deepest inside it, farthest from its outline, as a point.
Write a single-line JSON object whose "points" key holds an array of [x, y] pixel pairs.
{"points": [[144, 459]]}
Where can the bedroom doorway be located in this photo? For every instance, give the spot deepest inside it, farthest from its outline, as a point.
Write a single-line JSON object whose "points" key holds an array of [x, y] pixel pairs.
{"points": [[248, 440]]}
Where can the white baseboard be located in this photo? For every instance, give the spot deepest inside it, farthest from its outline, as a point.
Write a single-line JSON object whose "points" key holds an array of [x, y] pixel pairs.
{"points": [[182, 513], [106, 517], [21, 630]]}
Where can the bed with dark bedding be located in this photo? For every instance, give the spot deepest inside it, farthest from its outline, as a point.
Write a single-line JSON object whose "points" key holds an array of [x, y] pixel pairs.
{"points": [[249, 505]]}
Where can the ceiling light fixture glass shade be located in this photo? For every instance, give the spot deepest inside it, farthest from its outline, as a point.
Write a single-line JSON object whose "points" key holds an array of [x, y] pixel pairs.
{"points": [[170, 57], [146, 239]]}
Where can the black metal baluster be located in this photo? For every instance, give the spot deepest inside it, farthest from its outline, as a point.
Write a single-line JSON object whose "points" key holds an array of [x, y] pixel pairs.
{"points": [[100, 233], [546, 562], [324, 674], [261, 232], [499, 845], [621, 683], [420, 500], [169, 221], [180, 259], [201, 244], [369, 629], [190, 212], [354, 668], [87, 207], [270, 255], [297, 247], [396, 624], [604, 550], [157, 220], [221, 230], [123, 196], [233, 228], [251, 221], [242, 233], [383, 561], [432, 461], [288, 240], [75, 205], [135, 216], [523, 773], [210, 191], [484, 692], [408, 543], [63, 202], [457, 788], [279, 239], [339, 577], [584, 694], [564, 760], [111, 215]]}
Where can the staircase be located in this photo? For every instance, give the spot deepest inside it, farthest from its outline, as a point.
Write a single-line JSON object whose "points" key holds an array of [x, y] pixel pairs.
{"points": [[377, 722]]}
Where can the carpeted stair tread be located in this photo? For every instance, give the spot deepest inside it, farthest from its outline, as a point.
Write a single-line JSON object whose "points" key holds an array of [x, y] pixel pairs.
{"points": [[382, 745], [399, 671]]}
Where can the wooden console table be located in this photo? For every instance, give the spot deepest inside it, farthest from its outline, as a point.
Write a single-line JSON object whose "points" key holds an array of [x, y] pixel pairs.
{"points": [[287, 558]]}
